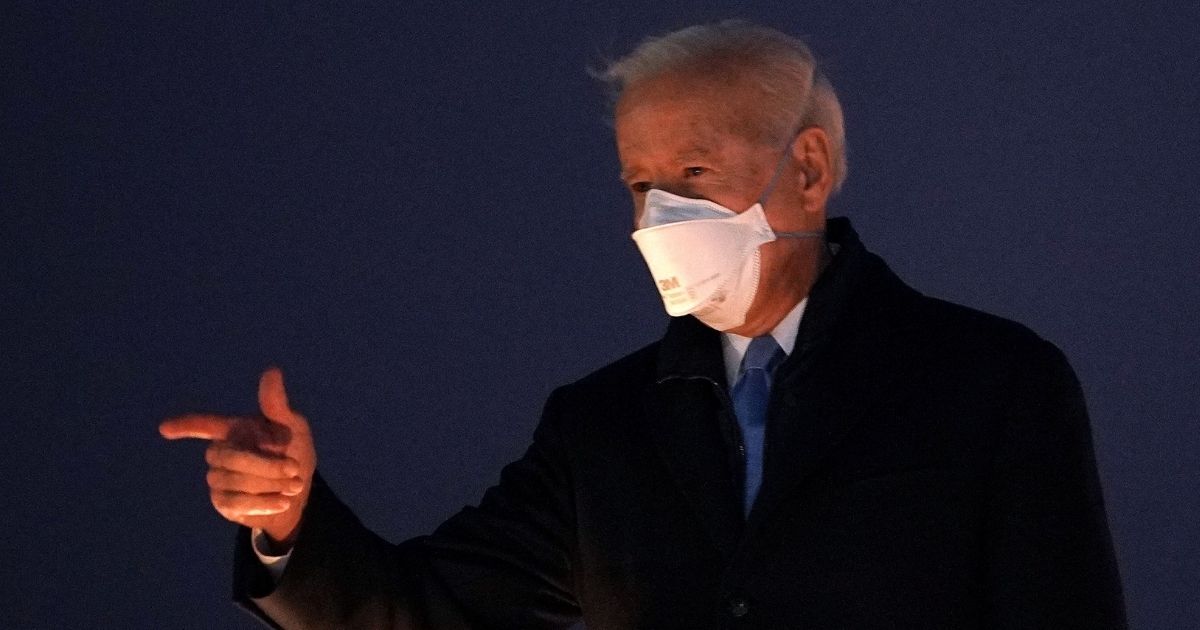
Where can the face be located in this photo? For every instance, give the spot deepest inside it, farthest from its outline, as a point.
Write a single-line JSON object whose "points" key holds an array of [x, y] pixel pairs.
{"points": [[679, 136], [678, 139]]}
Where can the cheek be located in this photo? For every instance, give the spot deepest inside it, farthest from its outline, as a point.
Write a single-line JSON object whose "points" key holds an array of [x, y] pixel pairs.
{"points": [[778, 260], [737, 195]]}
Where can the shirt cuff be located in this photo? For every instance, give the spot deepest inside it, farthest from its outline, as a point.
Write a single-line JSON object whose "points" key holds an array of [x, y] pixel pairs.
{"points": [[274, 564]]}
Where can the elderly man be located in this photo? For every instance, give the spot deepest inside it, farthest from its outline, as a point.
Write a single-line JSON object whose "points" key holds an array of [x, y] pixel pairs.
{"points": [[812, 444]]}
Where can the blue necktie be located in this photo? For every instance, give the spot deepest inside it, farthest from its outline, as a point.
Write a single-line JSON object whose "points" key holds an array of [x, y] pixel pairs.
{"points": [[751, 395]]}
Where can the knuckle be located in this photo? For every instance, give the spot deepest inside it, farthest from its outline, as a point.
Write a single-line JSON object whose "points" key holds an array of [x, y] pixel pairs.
{"points": [[217, 454], [261, 461], [236, 460], [258, 464], [241, 461]]}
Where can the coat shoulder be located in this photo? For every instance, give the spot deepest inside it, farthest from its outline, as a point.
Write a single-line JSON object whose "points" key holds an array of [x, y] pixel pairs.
{"points": [[953, 327], [612, 393], [629, 374], [959, 319]]}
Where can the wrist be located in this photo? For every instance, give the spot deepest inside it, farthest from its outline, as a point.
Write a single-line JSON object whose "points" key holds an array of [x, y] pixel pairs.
{"points": [[278, 542]]}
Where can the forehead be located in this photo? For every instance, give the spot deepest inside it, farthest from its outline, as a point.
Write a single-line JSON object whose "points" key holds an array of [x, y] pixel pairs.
{"points": [[659, 131], [674, 117]]}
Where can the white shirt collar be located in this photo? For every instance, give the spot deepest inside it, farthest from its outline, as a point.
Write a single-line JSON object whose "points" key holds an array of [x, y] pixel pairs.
{"points": [[733, 347]]}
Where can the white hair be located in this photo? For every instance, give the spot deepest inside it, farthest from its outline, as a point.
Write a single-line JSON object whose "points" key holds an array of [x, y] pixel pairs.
{"points": [[781, 68]]}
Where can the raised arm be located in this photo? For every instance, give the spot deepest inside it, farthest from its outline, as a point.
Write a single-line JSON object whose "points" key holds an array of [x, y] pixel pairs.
{"points": [[504, 564]]}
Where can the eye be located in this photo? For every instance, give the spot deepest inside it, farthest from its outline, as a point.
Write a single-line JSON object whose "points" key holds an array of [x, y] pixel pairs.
{"points": [[693, 171], [640, 188]]}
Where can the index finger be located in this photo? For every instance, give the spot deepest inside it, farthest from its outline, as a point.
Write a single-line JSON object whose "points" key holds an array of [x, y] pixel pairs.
{"points": [[197, 425]]}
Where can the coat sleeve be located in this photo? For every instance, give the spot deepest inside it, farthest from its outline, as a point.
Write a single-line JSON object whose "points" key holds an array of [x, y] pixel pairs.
{"points": [[1049, 560], [504, 564]]}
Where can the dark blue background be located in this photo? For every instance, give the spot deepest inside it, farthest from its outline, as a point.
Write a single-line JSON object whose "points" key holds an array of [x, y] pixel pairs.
{"points": [[414, 209]]}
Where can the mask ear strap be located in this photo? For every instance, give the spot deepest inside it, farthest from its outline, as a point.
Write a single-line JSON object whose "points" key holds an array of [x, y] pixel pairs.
{"points": [[762, 199], [812, 234], [771, 186]]}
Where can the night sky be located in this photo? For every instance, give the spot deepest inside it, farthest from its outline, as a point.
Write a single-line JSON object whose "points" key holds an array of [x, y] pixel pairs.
{"points": [[413, 209]]}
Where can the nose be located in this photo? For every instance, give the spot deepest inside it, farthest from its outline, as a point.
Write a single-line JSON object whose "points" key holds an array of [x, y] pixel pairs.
{"points": [[681, 188]]}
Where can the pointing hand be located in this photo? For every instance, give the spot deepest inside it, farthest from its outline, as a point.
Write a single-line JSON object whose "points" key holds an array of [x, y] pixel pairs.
{"points": [[260, 468]]}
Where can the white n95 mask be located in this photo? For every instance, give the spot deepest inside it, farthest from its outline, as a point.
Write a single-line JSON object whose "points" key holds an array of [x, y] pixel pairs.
{"points": [[705, 257]]}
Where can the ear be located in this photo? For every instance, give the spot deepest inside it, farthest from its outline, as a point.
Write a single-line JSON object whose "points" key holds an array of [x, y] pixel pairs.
{"points": [[812, 156]]}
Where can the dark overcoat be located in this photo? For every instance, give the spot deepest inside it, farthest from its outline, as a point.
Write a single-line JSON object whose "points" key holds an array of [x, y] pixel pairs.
{"points": [[927, 466]]}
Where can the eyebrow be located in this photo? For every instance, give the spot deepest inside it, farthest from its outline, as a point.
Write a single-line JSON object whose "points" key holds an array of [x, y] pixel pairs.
{"points": [[694, 152]]}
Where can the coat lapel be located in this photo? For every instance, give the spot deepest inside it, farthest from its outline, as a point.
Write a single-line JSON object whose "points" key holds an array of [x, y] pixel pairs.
{"points": [[846, 357], [814, 410], [688, 423]]}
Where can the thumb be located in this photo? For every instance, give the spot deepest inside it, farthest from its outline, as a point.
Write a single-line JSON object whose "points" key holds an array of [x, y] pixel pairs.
{"points": [[272, 399]]}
